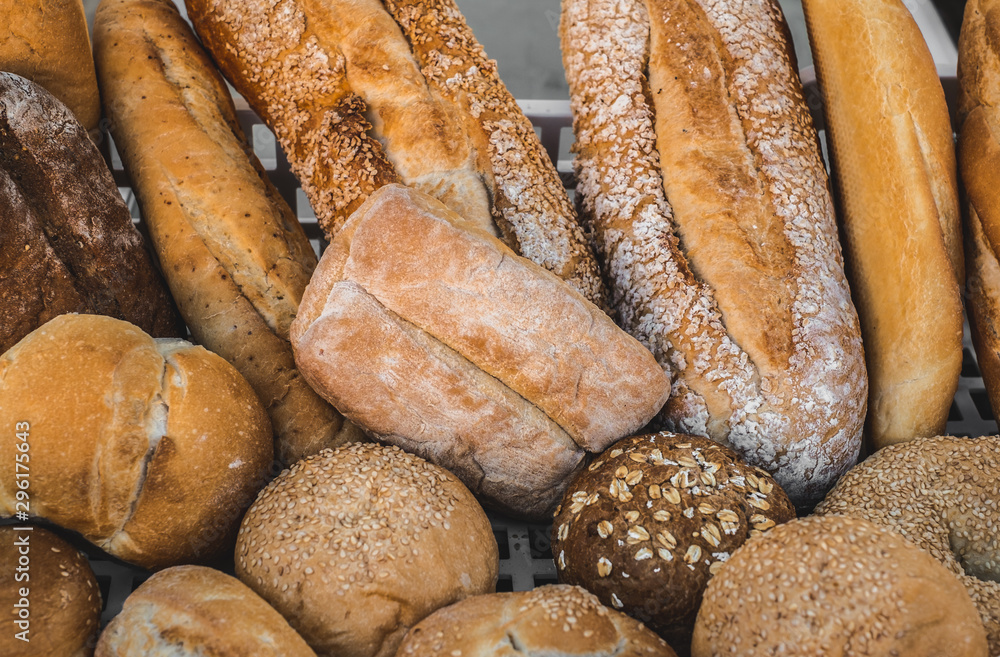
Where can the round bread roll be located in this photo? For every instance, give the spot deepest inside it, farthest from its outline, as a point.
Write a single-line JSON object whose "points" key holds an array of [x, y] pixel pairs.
{"points": [[193, 610], [555, 621], [49, 596], [150, 448], [650, 521], [943, 495], [357, 545], [835, 585]]}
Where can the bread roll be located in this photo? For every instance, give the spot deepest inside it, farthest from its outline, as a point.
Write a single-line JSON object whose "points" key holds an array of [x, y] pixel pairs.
{"points": [[50, 597], [701, 176], [555, 621], [434, 336], [192, 610], [355, 546], [151, 449], [48, 42], [979, 159], [441, 119], [69, 244], [234, 254], [894, 167]]}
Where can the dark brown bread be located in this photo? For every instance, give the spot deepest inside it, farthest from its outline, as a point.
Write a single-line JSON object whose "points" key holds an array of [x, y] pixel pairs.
{"points": [[69, 244]]}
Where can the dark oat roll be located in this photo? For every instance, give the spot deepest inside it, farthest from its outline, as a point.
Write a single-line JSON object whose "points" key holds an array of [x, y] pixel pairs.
{"points": [[653, 518]]}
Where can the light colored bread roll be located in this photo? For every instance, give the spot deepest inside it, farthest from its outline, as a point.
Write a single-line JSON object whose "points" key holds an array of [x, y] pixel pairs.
{"points": [[192, 610], [234, 255], [433, 335], [48, 42], [50, 597], [894, 171], [150, 448], [701, 175]]}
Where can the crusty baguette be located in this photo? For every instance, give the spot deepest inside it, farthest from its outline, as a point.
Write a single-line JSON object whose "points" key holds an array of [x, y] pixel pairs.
{"points": [[47, 42], [894, 167], [705, 187], [454, 132], [234, 254]]}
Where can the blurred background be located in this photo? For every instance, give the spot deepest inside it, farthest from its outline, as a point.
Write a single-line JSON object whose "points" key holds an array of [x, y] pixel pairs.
{"points": [[522, 36]]}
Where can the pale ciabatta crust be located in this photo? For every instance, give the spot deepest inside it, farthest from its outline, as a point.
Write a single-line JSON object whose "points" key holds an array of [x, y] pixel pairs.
{"points": [[192, 610], [64, 601], [460, 138], [894, 163], [47, 42], [942, 494], [434, 335], [150, 449], [750, 313], [834, 585], [550, 621], [234, 254]]}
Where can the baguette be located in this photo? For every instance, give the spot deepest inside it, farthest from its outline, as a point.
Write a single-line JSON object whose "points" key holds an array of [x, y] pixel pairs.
{"points": [[700, 173], [235, 256], [894, 167], [453, 131]]}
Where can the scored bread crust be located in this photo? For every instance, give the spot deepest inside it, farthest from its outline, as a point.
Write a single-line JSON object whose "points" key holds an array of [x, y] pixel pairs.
{"points": [[723, 258], [893, 158], [233, 252]]}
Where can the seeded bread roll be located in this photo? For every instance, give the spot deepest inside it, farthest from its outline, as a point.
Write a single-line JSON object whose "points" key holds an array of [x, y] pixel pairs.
{"points": [[69, 244], [233, 252], [654, 517], [151, 449], [441, 119], [555, 621], [47, 42], [357, 545], [893, 157], [192, 610], [833, 585], [49, 595], [701, 177], [940, 493]]}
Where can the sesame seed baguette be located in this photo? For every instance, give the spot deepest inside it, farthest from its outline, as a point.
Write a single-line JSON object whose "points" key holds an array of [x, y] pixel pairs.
{"points": [[893, 158], [706, 191], [296, 80], [234, 254]]}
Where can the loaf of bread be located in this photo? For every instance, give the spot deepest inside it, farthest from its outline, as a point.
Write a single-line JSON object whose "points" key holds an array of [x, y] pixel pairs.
{"points": [[442, 121], [151, 449], [234, 254], [193, 610], [69, 244], [893, 158], [701, 176], [979, 161], [50, 597], [47, 42], [431, 334]]}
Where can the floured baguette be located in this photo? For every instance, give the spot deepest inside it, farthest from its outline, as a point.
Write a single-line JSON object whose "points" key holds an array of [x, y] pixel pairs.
{"points": [[701, 175], [234, 254], [442, 121], [434, 336]]}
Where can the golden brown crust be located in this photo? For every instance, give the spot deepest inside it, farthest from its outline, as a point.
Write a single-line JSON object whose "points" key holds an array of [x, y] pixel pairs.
{"points": [[894, 163], [150, 449], [792, 401], [355, 546], [63, 601], [198, 611], [47, 42], [941, 494], [834, 585], [555, 621], [234, 254]]}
